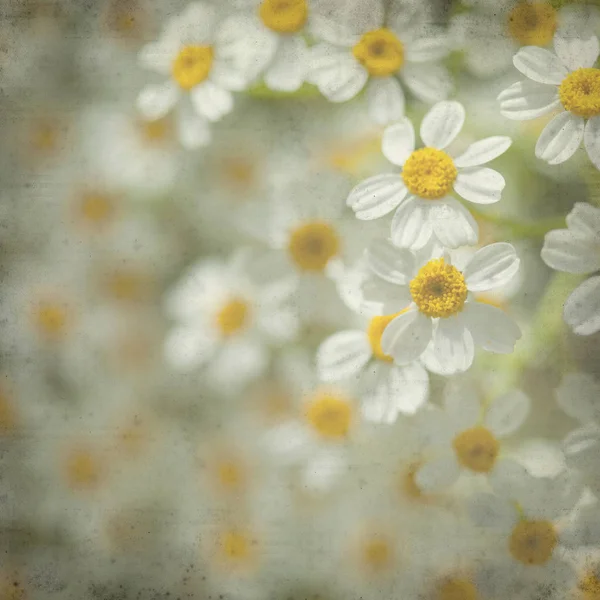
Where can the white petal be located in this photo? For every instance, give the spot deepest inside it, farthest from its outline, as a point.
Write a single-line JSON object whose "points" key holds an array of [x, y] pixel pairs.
{"points": [[426, 49], [591, 140], [335, 72], [491, 266], [322, 470], [398, 141], [527, 100], [560, 139], [540, 65], [577, 51], [393, 264], [385, 100], [507, 413], [288, 70], [376, 196], [187, 348], [159, 56], [584, 220], [509, 479], [452, 223], [563, 250], [155, 101], [488, 510], [411, 227], [579, 396], [582, 308], [390, 297], [462, 404], [451, 350], [480, 185], [408, 387], [238, 362], [211, 101], [483, 151], [437, 474], [406, 336], [584, 530], [343, 355], [491, 328], [442, 124], [582, 448], [193, 132], [428, 83]]}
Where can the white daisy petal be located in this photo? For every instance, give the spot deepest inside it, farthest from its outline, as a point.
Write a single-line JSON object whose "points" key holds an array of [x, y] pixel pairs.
{"points": [[451, 349], [155, 101], [442, 124], [390, 296], [462, 405], [247, 357], [480, 185], [527, 100], [398, 141], [483, 151], [452, 223], [565, 251], [560, 139], [406, 337], [288, 70], [489, 510], [507, 413], [491, 266], [581, 448], [159, 56], [385, 100], [429, 83], [393, 264], [211, 101], [591, 140], [408, 387], [437, 474], [582, 308], [579, 396], [540, 65], [584, 530], [411, 227], [187, 348], [426, 49], [577, 51], [584, 220], [491, 328], [509, 479], [330, 30], [376, 196], [193, 131], [343, 355]]}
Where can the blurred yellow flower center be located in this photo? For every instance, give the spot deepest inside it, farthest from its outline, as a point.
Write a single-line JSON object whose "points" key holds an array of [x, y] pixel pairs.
{"points": [[236, 548], [45, 136], [476, 449], [532, 542], [457, 589], [429, 173], [239, 172], [376, 553], [330, 416], [589, 586], [380, 52], [51, 319], [233, 317], [532, 23], [408, 483], [230, 474], [579, 92], [192, 66], [154, 132], [439, 290], [8, 417], [96, 208], [313, 245], [375, 331], [284, 16], [125, 284], [82, 470]]}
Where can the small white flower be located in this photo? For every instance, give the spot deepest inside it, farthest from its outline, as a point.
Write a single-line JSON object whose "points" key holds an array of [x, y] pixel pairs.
{"points": [[421, 192], [577, 250], [563, 80], [375, 55], [442, 322]]}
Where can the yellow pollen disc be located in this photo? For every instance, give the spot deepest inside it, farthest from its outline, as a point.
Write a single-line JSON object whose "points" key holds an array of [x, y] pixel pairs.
{"points": [[532, 23], [313, 245], [96, 209], [154, 132], [429, 173], [375, 331], [579, 92], [408, 483], [476, 449], [51, 319], [439, 290], [380, 52], [284, 16], [589, 586], [82, 470], [45, 137], [376, 553], [233, 317], [329, 415], [236, 548], [192, 66], [230, 474], [532, 542], [457, 589], [239, 172]]}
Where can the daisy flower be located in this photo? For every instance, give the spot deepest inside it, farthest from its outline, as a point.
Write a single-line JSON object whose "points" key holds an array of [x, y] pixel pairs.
{"points": [[468, 435], [440, 321], [375, 55], [225, 319], [577, 250], [565, 80], [203, 62], [421, 192]]}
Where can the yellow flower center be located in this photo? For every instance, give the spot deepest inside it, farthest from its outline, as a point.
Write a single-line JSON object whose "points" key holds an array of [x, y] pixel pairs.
{"points": [[476, 449], [96, 208], [229, 474], [192, 66], [532, 23], [532, 542], [408, 484], [51, 319], [45, 136], [284, 16], [236, 548], [589, 586], [376, 553], [429, 173], [82, 469], [239, 172], [313, 245], [154, 132], [380, 52], [375, 331], [457, 589], [579, 92], [330, 416], [126, 284], [8, 416], [233, 317], [439, 290]]}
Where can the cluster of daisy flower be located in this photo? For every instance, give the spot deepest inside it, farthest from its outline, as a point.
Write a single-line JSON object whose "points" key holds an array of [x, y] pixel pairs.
{"points": [[272, 326]]}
